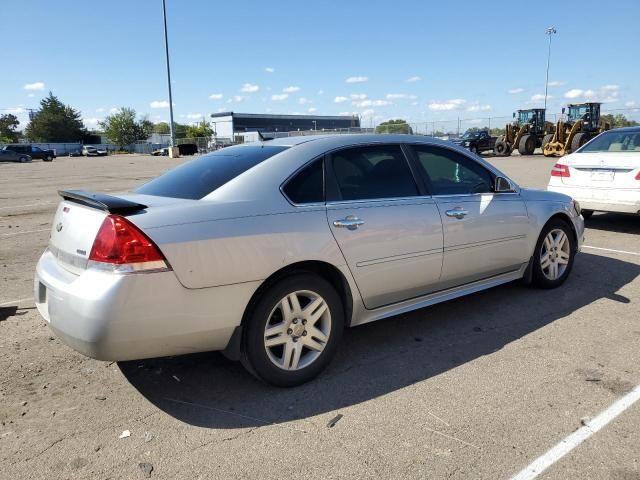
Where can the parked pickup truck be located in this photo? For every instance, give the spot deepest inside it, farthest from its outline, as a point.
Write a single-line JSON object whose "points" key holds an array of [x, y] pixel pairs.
{"points": [[32, 151], [476, 142]]}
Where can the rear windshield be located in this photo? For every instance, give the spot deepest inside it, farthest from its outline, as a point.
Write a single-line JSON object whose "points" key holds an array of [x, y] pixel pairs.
{"points": [[614, 141], [198, 178]]}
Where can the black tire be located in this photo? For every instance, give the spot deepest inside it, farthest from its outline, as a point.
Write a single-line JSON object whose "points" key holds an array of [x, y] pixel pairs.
{"points": [[578, 140], [547, 138], [254, 353], [587, 214], [473, 149], [540, 279], [527, 145], [48, 158], [23, 159], [501, 147]]}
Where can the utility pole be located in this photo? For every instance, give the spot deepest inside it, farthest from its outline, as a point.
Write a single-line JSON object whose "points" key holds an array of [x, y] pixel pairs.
{"points": [[549, 31], [166, 50]]}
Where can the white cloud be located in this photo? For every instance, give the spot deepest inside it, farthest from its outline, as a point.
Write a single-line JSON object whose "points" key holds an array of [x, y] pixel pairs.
{"points": [[371, 103], [400, 96], [358, 96], [192, 116], [357, 79], [91, 122], [367, 113], [304, 101], [269, 69], [291, 89], [249, 88], [14, 110], [113, 110], [604, 94], [557, 83], [632, 103], [312, 109], [453, 104], [573, 93], [37, 86], [159, 104], [238, 98], [99, 110], [515, 90], [216, 96], [340, 99], [539, 97], [479, 108], [320, 92], [31, 95], [279, 97], [347, 114], [413, 79]]}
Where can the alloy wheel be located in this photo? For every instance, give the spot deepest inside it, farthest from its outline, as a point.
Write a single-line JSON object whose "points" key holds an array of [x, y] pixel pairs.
{"points": [[298, 330], [555, 254]]}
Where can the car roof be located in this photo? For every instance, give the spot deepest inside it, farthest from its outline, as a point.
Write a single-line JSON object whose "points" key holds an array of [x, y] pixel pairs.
{"points": [[625, 130], [335, 141]]}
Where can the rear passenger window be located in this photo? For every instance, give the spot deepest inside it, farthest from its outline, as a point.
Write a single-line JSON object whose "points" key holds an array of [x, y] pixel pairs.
{"points": [[451, 173], [307, 186], [370, 172]]}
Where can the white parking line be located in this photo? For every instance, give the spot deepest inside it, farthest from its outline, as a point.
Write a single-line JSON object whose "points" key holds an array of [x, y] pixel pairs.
{"points": [[24, 233], [15, 302], [543, 462], [611, 250]]}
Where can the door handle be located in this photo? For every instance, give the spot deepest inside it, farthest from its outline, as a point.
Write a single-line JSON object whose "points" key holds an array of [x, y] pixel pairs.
{"points": [[458, 213], [350, 222]]}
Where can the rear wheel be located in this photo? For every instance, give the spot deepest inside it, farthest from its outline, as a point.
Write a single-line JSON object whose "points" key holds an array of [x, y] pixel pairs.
{"points": [[293, 331], [579, 140], [473, 149], [501, 147], [527, 145], [23, 159], [48, 158], [554, 254]]}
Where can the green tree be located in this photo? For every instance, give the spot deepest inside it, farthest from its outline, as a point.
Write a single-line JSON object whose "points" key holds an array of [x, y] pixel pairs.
{"points": [[55, 122], [8, 128], [200, 130], [123, 129], [147, 126], [618, 121], [161, 127], [394, 126]]}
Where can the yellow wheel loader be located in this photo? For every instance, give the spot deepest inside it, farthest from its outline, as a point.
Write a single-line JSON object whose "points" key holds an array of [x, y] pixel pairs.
{"points": [[528, 131], [582, 124]]}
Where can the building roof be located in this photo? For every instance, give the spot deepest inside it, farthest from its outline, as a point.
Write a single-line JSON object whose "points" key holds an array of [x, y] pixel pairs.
{"points": [[268, 116]]}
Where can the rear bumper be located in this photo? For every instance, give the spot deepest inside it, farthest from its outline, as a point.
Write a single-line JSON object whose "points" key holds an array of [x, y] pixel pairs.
{"points": [[602, 199], [126, 317]]}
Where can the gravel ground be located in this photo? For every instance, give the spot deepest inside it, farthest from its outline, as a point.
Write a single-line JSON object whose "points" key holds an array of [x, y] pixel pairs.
{"points": [[473, 388]]}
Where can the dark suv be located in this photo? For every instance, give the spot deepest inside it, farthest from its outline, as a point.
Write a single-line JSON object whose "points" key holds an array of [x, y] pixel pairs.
{"points": [[32, 151]]}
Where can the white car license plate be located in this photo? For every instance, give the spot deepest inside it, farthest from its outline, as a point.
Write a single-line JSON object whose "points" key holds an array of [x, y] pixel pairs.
{"points": [[602, 175]]}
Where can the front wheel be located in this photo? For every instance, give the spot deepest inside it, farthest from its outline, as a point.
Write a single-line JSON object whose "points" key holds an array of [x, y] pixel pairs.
{"points": [[554, 254], [293, 331]]}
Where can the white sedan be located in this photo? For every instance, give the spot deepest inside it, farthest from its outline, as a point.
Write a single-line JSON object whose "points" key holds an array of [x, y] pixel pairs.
{"points": [[604, 174]]}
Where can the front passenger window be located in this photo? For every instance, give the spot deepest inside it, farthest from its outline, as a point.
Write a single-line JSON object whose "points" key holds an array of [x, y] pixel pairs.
{"points": [[451, 173]]}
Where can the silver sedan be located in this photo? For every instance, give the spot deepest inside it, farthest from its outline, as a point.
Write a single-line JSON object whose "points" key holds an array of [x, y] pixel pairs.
{"points": [[267, 251]]}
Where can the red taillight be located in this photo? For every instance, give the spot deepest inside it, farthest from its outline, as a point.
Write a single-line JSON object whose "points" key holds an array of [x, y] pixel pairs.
{"points": [[120, 243], [560, 170], [638, 176]]}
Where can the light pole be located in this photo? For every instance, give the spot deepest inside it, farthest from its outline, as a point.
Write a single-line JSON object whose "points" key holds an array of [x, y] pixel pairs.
{"points": [[315, 125], [166, 50], [549, 31]]}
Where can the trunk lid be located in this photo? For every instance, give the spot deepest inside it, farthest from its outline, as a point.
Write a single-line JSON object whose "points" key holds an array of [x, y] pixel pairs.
{"points": [[602, 170]]}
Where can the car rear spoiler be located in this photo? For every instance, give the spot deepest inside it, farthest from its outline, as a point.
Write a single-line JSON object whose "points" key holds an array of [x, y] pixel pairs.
{"points": [[101, 201]]}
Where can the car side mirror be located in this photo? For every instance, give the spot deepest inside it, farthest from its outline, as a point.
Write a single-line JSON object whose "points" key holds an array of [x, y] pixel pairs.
{"points": [[502, 185]]}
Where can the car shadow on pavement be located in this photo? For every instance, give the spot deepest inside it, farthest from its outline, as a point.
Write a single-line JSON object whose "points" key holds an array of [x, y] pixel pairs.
{"points": [[614, 222], [208, 390]]}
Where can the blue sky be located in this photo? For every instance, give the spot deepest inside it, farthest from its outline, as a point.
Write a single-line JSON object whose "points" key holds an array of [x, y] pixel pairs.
{"points": [[417, 60]]}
